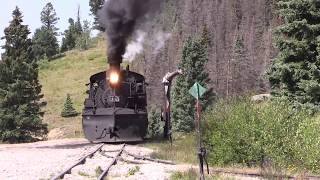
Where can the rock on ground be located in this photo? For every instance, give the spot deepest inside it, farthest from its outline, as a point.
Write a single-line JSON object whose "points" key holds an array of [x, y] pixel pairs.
{"points": [[56, 133], [261, 97]]}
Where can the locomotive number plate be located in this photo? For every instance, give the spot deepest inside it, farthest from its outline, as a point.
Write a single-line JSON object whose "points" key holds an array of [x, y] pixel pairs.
{"points": [[114, 99]]}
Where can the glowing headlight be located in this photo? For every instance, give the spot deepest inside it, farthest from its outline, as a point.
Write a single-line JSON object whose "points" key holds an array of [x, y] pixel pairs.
{"points": [[114, 77]]}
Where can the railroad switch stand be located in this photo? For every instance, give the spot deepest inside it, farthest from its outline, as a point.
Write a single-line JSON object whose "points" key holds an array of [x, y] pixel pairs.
{"points": [[166, 111]]}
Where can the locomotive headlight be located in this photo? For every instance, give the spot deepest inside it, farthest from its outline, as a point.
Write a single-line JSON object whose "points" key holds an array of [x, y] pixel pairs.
{"points": [[114, 78]]}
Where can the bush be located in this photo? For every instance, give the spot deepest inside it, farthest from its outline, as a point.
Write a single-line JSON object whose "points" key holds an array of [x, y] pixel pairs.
{"points": [[241, 132], [155, 127]]}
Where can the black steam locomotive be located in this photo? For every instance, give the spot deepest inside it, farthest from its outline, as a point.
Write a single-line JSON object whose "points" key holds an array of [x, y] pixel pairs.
{"points": [[116, 109]]}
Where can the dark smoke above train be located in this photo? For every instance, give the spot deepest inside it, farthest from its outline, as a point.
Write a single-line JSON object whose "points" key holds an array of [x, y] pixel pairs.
{"points": [[121, 19], [116, 108]]}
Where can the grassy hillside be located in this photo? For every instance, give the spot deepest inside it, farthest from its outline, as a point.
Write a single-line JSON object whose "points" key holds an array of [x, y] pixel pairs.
{"points": [[69, 74]]}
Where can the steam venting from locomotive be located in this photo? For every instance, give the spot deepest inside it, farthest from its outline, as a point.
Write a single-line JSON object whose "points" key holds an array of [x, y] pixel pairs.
{"points": [[135, 47], [121, 19]]}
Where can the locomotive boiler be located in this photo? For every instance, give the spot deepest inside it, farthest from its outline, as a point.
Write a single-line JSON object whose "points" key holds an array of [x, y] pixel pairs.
{"points": [[116, 107]]}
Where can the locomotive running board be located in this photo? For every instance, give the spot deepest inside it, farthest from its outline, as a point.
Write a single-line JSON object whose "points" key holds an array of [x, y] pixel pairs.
{"points": [[114, 125]]}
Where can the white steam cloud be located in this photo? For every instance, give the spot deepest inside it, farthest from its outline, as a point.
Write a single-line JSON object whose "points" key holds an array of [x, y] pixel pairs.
{"points": [[136, 46]]}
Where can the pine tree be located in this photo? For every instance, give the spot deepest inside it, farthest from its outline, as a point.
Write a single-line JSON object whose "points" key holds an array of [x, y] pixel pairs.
{"points": [[45, 43], [68, 109], [295, 74], [76, 35], [239, 68], [44, 40], [78, 25], [83, 41], [20, 114], [70, 36], [95, 6], [49, 18], [194, 59], [64, 45], [73, 33]]}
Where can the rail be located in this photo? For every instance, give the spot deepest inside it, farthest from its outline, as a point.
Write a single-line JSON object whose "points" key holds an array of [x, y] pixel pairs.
{"points": [[81, 161]]}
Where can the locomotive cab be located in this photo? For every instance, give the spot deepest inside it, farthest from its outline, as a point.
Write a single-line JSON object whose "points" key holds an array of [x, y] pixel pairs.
{"points": [[116, 108]]}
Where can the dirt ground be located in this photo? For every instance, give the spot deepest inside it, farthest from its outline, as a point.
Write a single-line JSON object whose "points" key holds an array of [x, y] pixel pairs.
{"points": [[41, 159], [44, 160]]}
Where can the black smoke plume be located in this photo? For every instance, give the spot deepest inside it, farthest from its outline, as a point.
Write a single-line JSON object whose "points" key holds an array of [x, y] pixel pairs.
{"points": [[121, 18]]}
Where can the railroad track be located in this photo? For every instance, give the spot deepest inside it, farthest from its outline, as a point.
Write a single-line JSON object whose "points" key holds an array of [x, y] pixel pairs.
{"points": [[114, 160], [116, 155]]}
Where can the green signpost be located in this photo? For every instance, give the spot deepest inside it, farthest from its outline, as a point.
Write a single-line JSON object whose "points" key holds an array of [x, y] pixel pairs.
{"points": [[197, 92]]}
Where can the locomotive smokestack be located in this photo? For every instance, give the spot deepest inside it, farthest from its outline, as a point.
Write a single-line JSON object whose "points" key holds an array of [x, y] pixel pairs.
{"points": [[120, 19]]}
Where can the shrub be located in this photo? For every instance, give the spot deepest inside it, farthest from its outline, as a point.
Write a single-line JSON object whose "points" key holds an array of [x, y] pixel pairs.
{"points": [[98, 171], [155, 127], [133, 171], [241, 132]]}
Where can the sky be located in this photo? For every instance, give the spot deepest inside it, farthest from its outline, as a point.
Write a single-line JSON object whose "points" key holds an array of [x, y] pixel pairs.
{"points": [[31, 11]]}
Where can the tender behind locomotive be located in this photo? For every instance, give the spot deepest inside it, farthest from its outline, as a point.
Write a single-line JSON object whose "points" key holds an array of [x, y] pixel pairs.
{"points": [[116, 114]]}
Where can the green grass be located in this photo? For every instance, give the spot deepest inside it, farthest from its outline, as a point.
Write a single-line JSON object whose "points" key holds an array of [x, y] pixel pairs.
{"points": [[133, 171], [192, 174], [98, 171], [183, 149], [69, 74], [83, 174]]}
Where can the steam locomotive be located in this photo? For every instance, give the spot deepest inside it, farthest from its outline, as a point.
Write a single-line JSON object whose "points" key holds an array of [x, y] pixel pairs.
{"points": [[116, 108]]}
